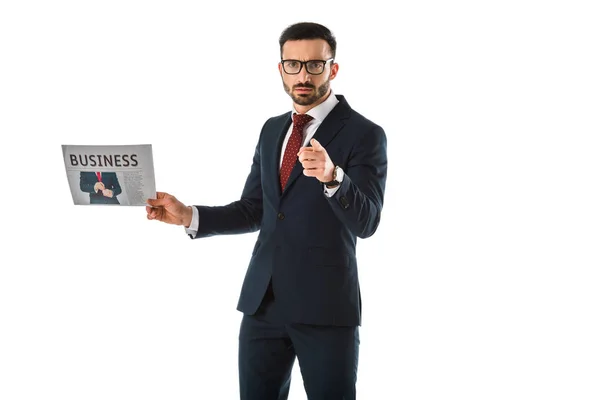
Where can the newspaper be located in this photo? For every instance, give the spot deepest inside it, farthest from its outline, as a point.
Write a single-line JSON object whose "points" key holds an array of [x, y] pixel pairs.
{"points": [[110, 175]]}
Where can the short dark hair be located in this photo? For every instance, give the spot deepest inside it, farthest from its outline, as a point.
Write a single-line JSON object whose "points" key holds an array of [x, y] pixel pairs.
{"points": [[307, 31]]}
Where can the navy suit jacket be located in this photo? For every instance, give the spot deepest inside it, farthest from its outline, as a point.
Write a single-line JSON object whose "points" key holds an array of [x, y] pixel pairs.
{"points": [[87, 180], [307, 241]]}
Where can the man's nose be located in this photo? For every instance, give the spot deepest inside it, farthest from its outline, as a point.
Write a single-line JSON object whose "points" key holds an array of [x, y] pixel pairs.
{"points": [[303, 76]]}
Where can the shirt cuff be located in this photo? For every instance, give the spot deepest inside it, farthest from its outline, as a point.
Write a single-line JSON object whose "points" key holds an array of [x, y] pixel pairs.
{"points": [[340, 177], [193, 229]]}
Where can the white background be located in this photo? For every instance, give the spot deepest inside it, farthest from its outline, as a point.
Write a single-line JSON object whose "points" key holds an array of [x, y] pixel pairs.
{"points": [[481, 283]]}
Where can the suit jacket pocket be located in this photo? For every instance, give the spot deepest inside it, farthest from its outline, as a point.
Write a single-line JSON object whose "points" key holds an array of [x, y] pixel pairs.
{"points": [[326, 257]]}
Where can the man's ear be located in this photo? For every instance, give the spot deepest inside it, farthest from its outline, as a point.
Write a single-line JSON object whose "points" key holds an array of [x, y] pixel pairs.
{"points": [[334, 71]]}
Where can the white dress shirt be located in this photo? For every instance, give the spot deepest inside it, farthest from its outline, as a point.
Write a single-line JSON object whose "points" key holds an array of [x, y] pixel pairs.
{"points": [[318, 113]]}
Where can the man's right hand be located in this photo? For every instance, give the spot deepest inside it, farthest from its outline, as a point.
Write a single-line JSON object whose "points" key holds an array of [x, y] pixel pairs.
{"points": [[167, 208], [99, 186]]}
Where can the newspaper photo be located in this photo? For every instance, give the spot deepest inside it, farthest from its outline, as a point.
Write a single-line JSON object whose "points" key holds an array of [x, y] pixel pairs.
{"points": [[110, 175]]}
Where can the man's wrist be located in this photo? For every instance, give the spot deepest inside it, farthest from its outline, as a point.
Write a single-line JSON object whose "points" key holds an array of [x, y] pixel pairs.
{"points": [[338, 176], [189, 213]]}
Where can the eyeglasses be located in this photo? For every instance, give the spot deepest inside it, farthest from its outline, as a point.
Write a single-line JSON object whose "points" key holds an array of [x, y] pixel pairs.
{"points": [[313, 67]]}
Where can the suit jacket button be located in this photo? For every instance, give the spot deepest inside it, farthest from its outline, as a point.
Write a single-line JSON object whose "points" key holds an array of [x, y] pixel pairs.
{"points": [[280, 215], [344, 202]]}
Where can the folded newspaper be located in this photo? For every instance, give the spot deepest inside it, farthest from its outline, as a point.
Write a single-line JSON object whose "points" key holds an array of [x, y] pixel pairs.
{"points": [[110, 175]]}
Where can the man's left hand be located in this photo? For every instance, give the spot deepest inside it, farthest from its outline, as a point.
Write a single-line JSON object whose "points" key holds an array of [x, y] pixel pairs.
{"points": [[107, 193], [316, 161]]}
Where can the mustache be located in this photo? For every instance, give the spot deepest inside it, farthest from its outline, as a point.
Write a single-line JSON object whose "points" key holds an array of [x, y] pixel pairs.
{"points": [[304, 85]]}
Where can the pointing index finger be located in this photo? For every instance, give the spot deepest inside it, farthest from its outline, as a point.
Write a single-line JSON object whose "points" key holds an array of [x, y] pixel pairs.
{"points": [[305, 149]]}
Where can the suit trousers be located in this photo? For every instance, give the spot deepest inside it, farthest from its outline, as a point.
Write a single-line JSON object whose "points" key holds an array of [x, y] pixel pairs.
{"points": [[268, 347]]}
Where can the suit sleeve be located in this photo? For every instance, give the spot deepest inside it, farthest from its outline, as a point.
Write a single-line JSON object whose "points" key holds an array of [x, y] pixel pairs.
{"points": [[116, 187], [85, 184], [241, 216], [359, 200]]}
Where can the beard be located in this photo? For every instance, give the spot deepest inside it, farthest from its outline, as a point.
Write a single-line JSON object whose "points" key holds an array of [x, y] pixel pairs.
{"points": [[307, 99]]}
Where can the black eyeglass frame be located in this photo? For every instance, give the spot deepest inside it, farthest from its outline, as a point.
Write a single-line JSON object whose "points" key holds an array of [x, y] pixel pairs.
{"points": [[303, 65]]}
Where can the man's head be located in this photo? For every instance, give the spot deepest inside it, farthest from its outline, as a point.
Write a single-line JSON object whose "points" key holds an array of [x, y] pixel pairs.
{"points": [[307, 63]]}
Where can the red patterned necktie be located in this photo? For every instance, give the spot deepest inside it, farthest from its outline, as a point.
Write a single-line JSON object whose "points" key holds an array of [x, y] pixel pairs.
{"points": [[293, 145], [99, 176]]}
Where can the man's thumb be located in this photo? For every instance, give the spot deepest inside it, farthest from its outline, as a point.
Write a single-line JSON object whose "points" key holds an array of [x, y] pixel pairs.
{"points": [[316, 145], [156, 202]]}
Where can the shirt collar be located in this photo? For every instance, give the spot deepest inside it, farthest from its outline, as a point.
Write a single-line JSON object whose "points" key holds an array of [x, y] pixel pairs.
{"points": [[322, 110]]}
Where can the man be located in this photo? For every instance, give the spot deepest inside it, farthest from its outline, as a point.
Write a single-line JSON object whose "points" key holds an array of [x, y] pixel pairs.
{"points": [[103, 187], [316, 184]]}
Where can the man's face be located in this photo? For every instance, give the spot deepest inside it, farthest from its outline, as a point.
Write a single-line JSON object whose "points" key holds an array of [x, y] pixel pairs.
{"points": [[306, 89]]}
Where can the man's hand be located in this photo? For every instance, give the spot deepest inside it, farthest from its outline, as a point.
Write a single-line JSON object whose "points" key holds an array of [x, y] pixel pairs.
{"points": [[99, 186], [316, 161], [167, 208], [107, 193]]}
